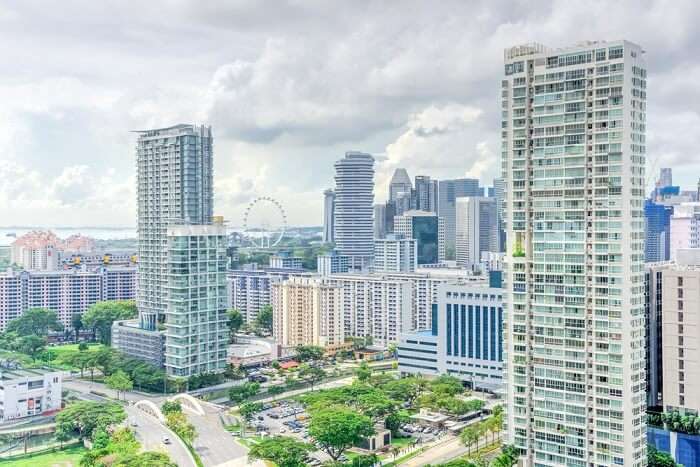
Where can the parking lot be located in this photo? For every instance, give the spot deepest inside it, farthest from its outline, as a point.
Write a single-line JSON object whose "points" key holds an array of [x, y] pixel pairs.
{"points": [[288, 418]]}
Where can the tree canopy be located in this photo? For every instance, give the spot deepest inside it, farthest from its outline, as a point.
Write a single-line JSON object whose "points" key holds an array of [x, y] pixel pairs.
{"points": [[85, 418], [100, 316], [308, 353], [119, 381], [238, 394], [35, 322], [282, 450], [235, 321], [264, 318], [338, 428]]}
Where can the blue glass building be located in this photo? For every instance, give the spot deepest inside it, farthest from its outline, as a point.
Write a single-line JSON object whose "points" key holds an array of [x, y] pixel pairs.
{"points": [[657, 218]]}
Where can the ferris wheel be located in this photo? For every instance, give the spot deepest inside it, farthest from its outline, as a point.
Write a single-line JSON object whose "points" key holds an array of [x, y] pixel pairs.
{"points": [[264, 222]]}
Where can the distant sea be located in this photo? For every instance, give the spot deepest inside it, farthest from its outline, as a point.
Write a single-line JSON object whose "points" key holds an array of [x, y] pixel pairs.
{"points": [[100, 233]]}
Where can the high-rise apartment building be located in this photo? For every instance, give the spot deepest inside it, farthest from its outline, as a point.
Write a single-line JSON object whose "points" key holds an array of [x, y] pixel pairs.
{"points": [[249, 289], [174, 173], [499, 196], [573, 156], [425, 197], [395, 253], [673, 333], [448, 192], [182, 255], [374, 305], [307, 311], [328, 213], [428, 230], [353, 213], [477, 229], [196, 333], [66, 292]]}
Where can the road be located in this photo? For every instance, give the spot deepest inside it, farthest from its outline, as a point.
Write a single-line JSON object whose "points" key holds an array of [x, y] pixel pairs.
{"points": [[214, 445], [444, 452], [150, 432]]}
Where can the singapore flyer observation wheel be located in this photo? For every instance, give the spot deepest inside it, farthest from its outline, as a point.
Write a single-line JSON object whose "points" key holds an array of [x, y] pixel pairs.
{"points": [[264, 222]]}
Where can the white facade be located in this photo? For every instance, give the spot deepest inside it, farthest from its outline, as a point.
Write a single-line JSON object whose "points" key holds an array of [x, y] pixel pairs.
{"points": [[196, 333], [477, 229], [573, 156], [685, 227], [26, 393], [374, 305], [465, 341], [332, 263], [284, 261], [395, 253], [354, 203], [175, 186], [249, 289], [65, 292]]}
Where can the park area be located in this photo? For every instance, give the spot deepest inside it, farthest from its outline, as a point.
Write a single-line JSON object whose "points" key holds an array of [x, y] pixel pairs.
{"points": [[68, 457]]}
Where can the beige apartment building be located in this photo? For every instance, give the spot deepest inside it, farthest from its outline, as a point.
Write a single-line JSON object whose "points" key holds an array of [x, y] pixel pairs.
{"points": [[681, 337], [306, 311]]}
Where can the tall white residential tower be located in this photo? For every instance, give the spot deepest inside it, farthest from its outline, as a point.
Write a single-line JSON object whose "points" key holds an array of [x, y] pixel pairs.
{"points": [[573, 155]]}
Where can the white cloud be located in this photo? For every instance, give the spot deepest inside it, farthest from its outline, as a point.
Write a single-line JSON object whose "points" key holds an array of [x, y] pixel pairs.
{"points": [[289, 87]]}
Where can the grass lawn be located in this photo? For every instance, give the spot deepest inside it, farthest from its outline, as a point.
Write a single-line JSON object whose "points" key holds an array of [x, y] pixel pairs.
{"points": [[69, 457], [59, 350], [401, 442]]}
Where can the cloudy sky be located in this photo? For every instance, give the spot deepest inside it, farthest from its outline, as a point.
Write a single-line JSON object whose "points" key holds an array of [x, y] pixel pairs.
{"points": [[289, 87]]}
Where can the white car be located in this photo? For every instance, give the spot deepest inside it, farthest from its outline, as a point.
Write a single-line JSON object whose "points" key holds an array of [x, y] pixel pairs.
{"points": [[166, 440]]}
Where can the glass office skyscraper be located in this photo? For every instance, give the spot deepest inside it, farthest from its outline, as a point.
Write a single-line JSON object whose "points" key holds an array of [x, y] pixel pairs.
{"points": [[573, 155]]}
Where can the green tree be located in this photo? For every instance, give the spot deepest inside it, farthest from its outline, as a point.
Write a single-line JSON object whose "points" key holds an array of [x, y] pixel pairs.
{"points": [[394, 420], [100, 316], [31, 345], [177, 422], [446, 385], [120, 382], [470, 435], [308, 353], [275, 390], [81, 419], [336, 429], [248, 409], [235, 321], [83, 347], [363, 372], [264, 318], [407, 389], [104, 359], [35, 322], [238, 394], [76, 323], [171, 406], [284, 451], [656, 458], [312, 374], [507, 458]]}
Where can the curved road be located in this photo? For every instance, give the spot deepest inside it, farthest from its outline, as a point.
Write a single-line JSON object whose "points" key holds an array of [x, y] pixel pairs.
{"points": [[150, 432]]}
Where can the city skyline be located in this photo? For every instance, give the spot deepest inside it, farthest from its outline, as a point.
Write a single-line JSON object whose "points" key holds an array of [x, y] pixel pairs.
{"points": [[67, 153]]}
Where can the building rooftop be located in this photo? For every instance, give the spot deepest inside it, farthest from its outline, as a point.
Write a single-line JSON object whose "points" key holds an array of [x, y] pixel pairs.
{"points": [[6, 375]]}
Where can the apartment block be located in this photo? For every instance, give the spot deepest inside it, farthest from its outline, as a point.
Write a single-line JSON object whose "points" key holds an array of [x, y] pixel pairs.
{"points": [[573, 158]]}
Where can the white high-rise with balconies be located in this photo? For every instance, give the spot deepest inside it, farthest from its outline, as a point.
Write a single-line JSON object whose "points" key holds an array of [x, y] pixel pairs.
{"points": [[573, 156], [354, 205]]}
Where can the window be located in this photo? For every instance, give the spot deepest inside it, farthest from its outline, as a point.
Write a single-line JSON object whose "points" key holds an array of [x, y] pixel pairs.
{"points": [[680, 282], [615, 52], [680, 329], [680, 293], [680, 304]]}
